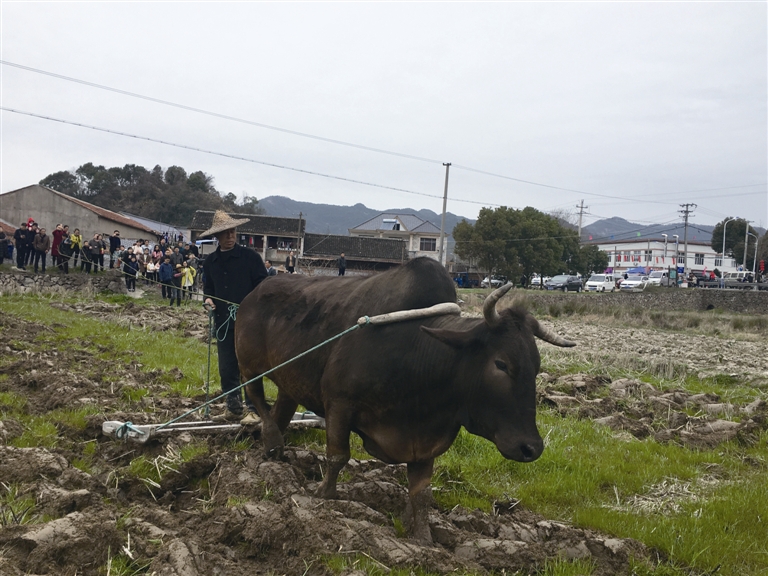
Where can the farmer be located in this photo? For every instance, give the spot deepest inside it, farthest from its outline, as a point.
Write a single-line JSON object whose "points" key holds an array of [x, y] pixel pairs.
{"points": [[231, 273]]}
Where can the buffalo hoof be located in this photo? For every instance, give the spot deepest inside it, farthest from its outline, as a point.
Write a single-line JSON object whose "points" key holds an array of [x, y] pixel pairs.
{"points": [[326, 492], [421, 533], [273, 441]]}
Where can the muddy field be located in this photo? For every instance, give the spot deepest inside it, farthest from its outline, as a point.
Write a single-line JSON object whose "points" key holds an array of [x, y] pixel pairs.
{"points": [[192, 505]]}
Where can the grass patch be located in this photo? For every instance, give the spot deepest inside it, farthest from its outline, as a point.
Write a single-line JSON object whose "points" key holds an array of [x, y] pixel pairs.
{"points": [[119, 344], [588, 477], [10, 402], [15, 509]]}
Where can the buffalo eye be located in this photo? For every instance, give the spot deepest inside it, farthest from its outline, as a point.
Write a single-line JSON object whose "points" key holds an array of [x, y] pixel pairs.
{"points": [[501, 365]]}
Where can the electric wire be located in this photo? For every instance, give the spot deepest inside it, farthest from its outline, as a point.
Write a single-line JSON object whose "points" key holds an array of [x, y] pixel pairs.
{"points": [[349, 144], [234, 157]]}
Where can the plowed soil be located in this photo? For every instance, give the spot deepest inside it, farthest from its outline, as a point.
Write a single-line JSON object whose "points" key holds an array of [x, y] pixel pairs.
{"points": [[225, 509]]}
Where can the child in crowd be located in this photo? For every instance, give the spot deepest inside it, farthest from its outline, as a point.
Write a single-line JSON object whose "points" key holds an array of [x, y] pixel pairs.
{"points": [[176, 285], [130, 269], [188, 279]]}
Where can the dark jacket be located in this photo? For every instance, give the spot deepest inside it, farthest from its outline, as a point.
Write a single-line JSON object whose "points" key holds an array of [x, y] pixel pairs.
{"points": [[20, 238], [231, 276], [114, 243], [3, 245], [165, 272], [42, 242], [342, 263], [131, 268], [177, 259]]}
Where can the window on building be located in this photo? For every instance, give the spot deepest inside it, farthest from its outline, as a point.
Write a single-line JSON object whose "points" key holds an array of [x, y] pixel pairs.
{"points": [[636, 256], [699, 258], [718, 261], [647, 255], [428, 244], [680, 257]]}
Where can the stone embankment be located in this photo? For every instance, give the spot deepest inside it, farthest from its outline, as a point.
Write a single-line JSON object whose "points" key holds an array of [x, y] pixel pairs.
{"points": [[14, 282], [742, 301]]}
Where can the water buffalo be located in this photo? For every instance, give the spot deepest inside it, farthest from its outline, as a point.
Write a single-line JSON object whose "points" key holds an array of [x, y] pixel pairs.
{"points": [[406, 388]]}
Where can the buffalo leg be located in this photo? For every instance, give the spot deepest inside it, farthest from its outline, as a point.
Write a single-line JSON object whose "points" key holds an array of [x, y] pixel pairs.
{"points": [[270, 433], [337, 452], [419, 478], [283, 410]]}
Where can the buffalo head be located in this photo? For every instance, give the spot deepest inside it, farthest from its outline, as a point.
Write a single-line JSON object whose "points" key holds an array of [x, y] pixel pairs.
{"points": [[499, 364]]}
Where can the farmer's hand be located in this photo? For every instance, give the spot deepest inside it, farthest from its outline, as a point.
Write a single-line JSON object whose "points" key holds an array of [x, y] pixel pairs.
{"points": [[209, 304]]}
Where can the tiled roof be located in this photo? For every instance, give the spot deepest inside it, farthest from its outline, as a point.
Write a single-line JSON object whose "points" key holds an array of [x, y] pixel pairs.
{"points": [[7, 228], [354, 247], [103, 212], [270, 225], [408, 222], [426, 228]]}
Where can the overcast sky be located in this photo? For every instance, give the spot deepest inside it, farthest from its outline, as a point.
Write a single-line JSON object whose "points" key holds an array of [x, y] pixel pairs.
{"points": [[633, 107]]}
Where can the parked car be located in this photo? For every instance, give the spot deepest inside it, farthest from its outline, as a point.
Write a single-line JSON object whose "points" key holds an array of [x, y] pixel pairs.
{"points": [[494, 282], [660, 278], [537, 281], [565, 283], [600, 283], [634, 284]]}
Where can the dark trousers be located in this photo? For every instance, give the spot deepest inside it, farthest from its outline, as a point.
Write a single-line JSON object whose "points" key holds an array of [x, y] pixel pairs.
{"points": [[63, 263], [166, 289], [176, 294], [130, 282], [75, 254], [341, 271], [20, 252], [101, 261], [85, 263], [40, 255], [229, 372], [29, 255]]}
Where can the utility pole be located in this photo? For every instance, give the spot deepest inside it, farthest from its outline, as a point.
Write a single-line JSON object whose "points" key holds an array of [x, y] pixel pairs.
{"points": [[442, 220], [686, 211], [581, 208], [746, 242]]}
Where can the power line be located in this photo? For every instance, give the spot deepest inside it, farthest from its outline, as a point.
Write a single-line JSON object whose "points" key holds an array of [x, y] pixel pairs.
{"points": [[326, 139], [218, 115], [225, 155], [333, 141]]}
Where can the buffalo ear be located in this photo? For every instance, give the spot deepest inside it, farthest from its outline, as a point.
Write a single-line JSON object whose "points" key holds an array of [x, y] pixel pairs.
{"points": [[454, 338]]}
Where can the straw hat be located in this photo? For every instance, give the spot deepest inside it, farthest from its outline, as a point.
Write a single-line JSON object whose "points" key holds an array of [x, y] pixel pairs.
{"points": [[221, 222]]}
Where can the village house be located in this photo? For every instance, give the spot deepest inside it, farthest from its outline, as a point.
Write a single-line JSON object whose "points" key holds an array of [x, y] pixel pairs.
{"points": [[49, 208], [660, 254], [420, 236]]}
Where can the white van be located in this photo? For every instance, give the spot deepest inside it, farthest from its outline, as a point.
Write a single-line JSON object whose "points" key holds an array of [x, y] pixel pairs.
{"points": [[600, 283], [660, 278]]}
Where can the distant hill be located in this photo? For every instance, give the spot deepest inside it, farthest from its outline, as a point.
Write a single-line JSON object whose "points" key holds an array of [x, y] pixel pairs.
{"points": [[331, 219], [619, 229]]}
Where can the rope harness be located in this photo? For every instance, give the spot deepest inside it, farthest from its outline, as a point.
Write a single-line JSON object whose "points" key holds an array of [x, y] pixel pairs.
{"points": [[436, 310]]}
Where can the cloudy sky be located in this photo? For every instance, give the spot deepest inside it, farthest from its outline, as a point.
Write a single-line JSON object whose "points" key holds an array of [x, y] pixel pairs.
{"points": [[634, 108]]}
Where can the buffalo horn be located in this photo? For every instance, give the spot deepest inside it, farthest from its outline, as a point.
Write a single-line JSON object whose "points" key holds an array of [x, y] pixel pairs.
{"points": [[492, 317], [541, 332]]}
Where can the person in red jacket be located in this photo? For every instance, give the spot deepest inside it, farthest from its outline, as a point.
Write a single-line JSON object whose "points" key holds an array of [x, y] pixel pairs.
{"points": [[58, 236]]}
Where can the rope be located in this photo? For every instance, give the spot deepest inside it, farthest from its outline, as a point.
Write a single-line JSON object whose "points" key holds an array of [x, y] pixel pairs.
{"points": [[225, 325], [364, 321], [122, 432]]}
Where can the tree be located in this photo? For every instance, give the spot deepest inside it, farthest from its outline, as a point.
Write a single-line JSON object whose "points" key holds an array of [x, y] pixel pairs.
{"points": [[734, 239], [175, 175], [64, 182], [510, 242], [168, 196]]}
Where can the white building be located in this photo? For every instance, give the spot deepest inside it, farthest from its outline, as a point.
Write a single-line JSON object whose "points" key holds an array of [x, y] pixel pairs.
{"points": [[659, 255], [422, 238]]}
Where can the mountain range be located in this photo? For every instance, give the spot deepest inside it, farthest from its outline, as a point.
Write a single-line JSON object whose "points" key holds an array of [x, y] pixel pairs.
{"points": [[332, 219]]}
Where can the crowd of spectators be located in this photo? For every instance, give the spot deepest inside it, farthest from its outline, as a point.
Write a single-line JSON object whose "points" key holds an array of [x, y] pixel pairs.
{"points": [[174, 269]]}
